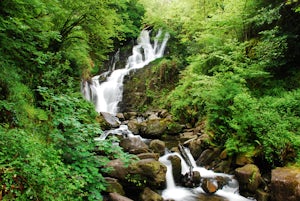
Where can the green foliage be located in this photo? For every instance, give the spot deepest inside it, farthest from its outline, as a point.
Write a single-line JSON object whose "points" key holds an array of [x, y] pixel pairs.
{"points": [[31, 170], [47, 133], [241, 80]]}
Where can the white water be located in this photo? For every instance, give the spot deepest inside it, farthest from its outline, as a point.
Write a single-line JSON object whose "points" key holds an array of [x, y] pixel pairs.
{"points": [[107, 95], [177, 193]]}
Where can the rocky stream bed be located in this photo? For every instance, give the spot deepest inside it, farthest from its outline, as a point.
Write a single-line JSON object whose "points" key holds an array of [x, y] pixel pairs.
{"points": [[146, 179]]}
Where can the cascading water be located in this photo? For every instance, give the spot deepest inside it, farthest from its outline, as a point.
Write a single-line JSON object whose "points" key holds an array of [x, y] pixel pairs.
{"points": [[107, 95], [177, 193]]}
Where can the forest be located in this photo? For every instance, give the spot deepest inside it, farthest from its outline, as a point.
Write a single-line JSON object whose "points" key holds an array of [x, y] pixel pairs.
{"points": [[239, 73]]}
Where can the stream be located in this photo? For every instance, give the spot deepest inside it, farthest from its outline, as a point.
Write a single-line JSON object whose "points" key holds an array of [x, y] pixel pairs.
{"points": [[106, 97]]}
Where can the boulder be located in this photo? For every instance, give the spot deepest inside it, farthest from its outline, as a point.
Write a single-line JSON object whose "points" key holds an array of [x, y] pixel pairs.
{"points": [[191, 179], [149, 195], [176, 167], [208, 156], [285, 184], [150, 171], [153, 128], [198, 145], [249, 177], [209, 186], [118, 197], [111, 119], [134, 145], [134, 126], [118, 169], [113, 186], [158, 146]]}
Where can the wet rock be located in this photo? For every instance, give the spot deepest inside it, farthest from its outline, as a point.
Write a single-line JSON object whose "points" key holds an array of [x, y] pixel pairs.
{"points": [[118, 171], [151, 171], [154, 156], [113, 186], [222, 181], [158, 146], [176, 167], [207, 156], [149, 195], [118, 197], [285, 184], [249, 177], [191, 179], [134, 126], [111, 119], [134, 145], [209, 186]]}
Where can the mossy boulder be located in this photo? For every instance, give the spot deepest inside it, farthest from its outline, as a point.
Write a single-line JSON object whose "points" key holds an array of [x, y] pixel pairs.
{"points": [[249, 177], [148, 171]]}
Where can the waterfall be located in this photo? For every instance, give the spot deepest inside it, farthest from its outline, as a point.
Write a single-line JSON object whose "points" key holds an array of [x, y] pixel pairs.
{"points": [[107, 95]]}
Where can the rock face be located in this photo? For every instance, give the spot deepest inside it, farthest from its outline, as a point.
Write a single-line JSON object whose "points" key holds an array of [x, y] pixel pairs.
{"points": [[249, 177], [285, 184]]}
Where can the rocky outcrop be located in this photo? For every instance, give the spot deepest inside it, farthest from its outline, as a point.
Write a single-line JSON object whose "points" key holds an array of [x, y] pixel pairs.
{"points": [[285, 184]]}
